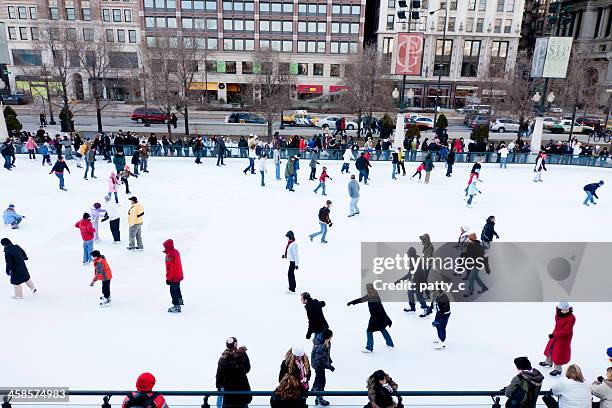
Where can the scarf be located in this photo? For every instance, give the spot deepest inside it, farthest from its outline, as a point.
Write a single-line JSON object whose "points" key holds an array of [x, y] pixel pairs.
{"points": [[289, 242]]}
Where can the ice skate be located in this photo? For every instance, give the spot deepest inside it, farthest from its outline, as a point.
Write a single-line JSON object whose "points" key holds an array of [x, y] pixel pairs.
{"points": [[175, 309], [365, 350], [440, 346], [105, 302]]}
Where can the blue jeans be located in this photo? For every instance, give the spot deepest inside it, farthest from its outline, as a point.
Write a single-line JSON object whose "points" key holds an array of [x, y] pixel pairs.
{"points": [[144, 164], [475, 278], [394, 168], [198, 155], [345, 168], [323, 232], [91, 166], [289, 183], [321, 185], [419, 297], [469, 201], [588, 198], [87, 248], [370, 339], [363, 175], [262, 179], [7, 162], [353, 209], [502, 162], [440, 323], [277, 166], [250, 167], [60, 176]]}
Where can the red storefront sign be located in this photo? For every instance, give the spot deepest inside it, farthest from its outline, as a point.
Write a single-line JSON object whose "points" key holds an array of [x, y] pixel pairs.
{"points": [[310, 89], [408, 54], [338, 88]]}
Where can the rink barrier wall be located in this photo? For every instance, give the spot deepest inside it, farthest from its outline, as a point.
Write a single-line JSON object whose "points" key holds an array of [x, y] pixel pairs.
{"points": [[337, 154]]}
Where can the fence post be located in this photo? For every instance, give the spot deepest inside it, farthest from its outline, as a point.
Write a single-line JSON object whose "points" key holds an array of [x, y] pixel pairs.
{"points": [[6, 402], [205, 404], [106, 404], [496, 403]]}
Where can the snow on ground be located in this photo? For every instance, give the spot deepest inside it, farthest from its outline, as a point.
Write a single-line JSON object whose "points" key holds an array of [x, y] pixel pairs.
{"points": [[230, 232]]}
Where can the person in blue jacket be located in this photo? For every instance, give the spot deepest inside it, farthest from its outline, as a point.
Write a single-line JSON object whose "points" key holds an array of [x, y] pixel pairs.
{"points": [[11, 217], [590, 190]]}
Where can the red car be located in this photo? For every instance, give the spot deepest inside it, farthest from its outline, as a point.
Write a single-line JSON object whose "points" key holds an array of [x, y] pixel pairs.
{"points": [[152, 115]]}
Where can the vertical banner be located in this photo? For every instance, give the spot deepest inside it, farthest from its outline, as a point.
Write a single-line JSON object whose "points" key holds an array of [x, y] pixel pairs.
{"points": [[539, 57], [398, 138], [536, 136], [557, 57], [408, 58]]}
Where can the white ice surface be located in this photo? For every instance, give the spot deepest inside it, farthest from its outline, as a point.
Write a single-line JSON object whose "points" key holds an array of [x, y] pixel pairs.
{"points": [[230, 232]]}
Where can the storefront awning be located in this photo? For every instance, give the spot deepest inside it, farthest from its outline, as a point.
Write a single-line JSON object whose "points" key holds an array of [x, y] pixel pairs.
{"points": [[338, 88], [233, 87], [310, 89], [203, 86]]}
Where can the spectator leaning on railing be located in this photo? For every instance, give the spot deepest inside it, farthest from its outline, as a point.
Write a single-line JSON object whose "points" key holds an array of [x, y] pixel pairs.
{"points": [[144, 397], [602, 389]]}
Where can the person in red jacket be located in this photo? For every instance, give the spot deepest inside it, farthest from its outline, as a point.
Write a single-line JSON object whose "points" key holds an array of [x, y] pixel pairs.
{"points": [[144, 396], [102, 272], [558, 351], [324, 176], [174, 275], [87, 234]]}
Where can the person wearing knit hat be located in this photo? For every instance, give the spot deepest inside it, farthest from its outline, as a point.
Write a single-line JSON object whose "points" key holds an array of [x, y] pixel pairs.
{"points": [[525, 386], [10, 217], [16, 268], [232, 370], [590, 190], [144, 395], [558, 350], [609, 353], [321, 361], [97, 214], [296, 364]]}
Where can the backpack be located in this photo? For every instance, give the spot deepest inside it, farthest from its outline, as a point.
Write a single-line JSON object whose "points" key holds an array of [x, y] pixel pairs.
{"points": [[141, 400], [523, 395]]}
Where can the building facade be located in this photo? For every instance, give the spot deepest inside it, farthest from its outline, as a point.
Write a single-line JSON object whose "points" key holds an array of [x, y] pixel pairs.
{"points": [[480, 34]]}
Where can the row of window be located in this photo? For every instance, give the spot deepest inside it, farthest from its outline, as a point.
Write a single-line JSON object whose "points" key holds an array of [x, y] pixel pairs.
{"points": [[249, 7], [502, 5], [210, 24], [293, 68], [22, 13], [189, 23], [25, 33], [118, 15], [71, 13], [119, 36], [501, 25]]}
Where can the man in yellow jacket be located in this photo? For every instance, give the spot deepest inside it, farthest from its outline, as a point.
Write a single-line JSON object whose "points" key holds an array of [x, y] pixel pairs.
{"points": [[135, 218]]}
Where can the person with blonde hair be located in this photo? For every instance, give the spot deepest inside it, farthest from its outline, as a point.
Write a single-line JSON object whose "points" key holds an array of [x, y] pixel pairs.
{"points": [[288, 394], [602, 389], [296, 364], [573, 391]]}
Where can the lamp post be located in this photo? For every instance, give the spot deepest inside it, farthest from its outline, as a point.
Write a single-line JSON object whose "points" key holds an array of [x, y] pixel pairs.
{"points": [[410, 96], [144, 97], [431, 13]]}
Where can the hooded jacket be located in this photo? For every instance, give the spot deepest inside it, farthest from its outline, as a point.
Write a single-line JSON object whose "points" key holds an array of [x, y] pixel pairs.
{"points": [[320, 357], [15, 258], [603, 391], [488, 231], [379, 395], [530, 381], [102, 271], [232, 370], [174, 267], [86, 228]]}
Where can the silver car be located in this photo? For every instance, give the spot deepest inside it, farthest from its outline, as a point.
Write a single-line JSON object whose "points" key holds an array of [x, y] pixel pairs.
{"points": [[502, 125]]}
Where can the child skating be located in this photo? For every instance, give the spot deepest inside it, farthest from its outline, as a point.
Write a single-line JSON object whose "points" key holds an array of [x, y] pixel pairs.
{"points": [[472, 191], [125, 175], [324, 176], [102, 272], [113, 183], [419, 171]]}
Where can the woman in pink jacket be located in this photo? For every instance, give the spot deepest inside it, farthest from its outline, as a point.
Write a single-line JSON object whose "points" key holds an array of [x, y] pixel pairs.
{"points": [[112, 187], [31, 146]]}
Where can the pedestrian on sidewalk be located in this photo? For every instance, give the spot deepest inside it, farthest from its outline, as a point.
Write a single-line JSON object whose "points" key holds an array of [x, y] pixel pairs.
{"points": [[102, 272], [353, 190], [87, 235], [324, 222], [174, 275], [58, 168], [291, 255], [16, 268], [322, 178]]}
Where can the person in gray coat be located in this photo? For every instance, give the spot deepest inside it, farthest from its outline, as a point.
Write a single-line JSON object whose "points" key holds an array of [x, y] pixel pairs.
{"points": [[320, 360], [353, 190], [313, 164], [90, 162]]}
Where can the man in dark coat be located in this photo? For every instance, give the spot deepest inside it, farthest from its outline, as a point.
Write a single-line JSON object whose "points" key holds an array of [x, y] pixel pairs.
{"points": [[314, 312], [15, 258], [221, 151], [379, 320], [232, 370]]}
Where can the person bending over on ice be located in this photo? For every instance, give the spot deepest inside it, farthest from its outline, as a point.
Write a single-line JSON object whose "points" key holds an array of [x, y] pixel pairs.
{"points": [[11, 217], [590, 190]]}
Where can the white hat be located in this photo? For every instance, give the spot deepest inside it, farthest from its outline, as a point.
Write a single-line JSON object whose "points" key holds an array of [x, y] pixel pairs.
{"points": [[564, 305], [465, 228], [297, 351]]}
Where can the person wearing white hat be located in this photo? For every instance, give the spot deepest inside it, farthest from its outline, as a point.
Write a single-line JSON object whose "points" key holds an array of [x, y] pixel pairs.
{"points": [[296, 364], [558, 350]]}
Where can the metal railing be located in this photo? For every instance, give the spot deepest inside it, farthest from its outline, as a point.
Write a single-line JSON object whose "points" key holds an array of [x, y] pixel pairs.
{"points": [[337, 154]]}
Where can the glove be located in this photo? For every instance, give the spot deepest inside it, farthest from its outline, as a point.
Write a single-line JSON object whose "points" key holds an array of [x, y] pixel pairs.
{"points": [[283, 256], [330, 224], [297, 267], [167, 282], [600, 379], [308, 335], [350, 303], [390, 323], [332, 369], [92, 283], [106, 217], [550, 336]]}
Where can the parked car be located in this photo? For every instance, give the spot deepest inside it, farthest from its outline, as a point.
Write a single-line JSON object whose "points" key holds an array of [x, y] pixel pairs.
{"points": [[244, 117], [478, 109], [422, 122], [300, 118], [566, 124], [591, 121], [479, 120], [549, 121], [16, 99], [502, 125], [555, 109], [151, 114], [330, 123]]}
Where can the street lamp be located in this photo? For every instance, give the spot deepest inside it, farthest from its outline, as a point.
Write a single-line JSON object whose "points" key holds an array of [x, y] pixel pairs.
{"points": [[395, 94], [431, 13], [536, 97]]}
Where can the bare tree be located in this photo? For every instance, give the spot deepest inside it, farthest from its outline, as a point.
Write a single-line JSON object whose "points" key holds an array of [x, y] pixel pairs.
{"points": [[272, 84], [367, 87], [519, 89], [98, 59], [185, 55]]}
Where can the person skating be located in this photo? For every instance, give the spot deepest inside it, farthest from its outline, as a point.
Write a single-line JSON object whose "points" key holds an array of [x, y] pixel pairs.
{"points": [[486, 237], [289, 173], [539, 166], [379, 320], [474, 251], [558, 350], [503, 157], [135, 220], [394, 164], [87, 235], [324, 222], [277, 162], [291, 255], [232, 370], [525, 387], [313, 165], [320, 359], [221, 151], [297, 365], [31, 147], [474, 177], [252, 157], [261, 166], [450, 161], [417, 277], [472, 190], [15, 257], [114, 217], [419, 170], [441, 304], [11, 217], [401, 158], [119, 161], [353, 191], [314, 313], [296, 167], [428, 167], [362, 165], [174, 275], [113, 184], [125, 175], [90, 161], [381, 388], [346, 160], [144, 397], [322, 178], [58, 169], [46, 157], [590, 190], [135, 160], [102, 273]]}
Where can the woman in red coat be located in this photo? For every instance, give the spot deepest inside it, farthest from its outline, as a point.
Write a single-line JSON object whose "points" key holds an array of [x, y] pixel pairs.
{"points": [[174, 275], [558, 351]]}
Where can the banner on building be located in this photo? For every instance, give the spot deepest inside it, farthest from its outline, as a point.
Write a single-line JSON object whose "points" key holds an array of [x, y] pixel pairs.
{"points": [[539, 57], [557, 57], [4, 51], [408, 58]]}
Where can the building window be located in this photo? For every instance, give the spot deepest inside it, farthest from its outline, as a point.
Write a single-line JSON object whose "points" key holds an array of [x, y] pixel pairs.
{"points": [[317, 69], [210, 5], [121, 36], [27, 57], [211, 24], [132, 36], [230, 67], [302, 69], [451, 24], [127, 15], [453, 5], [33, 13], [499, 55], [171, 22], [442, 61], [54, 13], [23, 33], [471, 55], [22, 13], [150, 22], [86, 14], [71, 34], [508, 26], [88, 34], [187, 23], [264, 7], [287, 46], [387, 45], [116, 15], [70, 15], [34, 33], [12, 33], [264, 25], [106, 15], [510, 6], [264, 44], [391, 4], [110, 35], [498, 25], [287, 26], [479, 25], [500, 5], [472, 5], [11, 12], [247, 67], [151, 42], [390, 21], [334, 70], [440, 23], [469, 25], [212, 43], [482, 5], [276, 26]]}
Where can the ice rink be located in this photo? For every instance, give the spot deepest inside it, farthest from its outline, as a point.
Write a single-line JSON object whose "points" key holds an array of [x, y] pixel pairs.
{"points": [[230, 232]]}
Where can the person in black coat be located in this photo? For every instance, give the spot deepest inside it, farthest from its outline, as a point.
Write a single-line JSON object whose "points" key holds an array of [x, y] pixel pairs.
{"points": [[474, 251], [288, 394], [16, 268], [221, 151], [136, 160], [232, 370], [590, 190], [379, 321], [450, 160], [314, 312]]}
